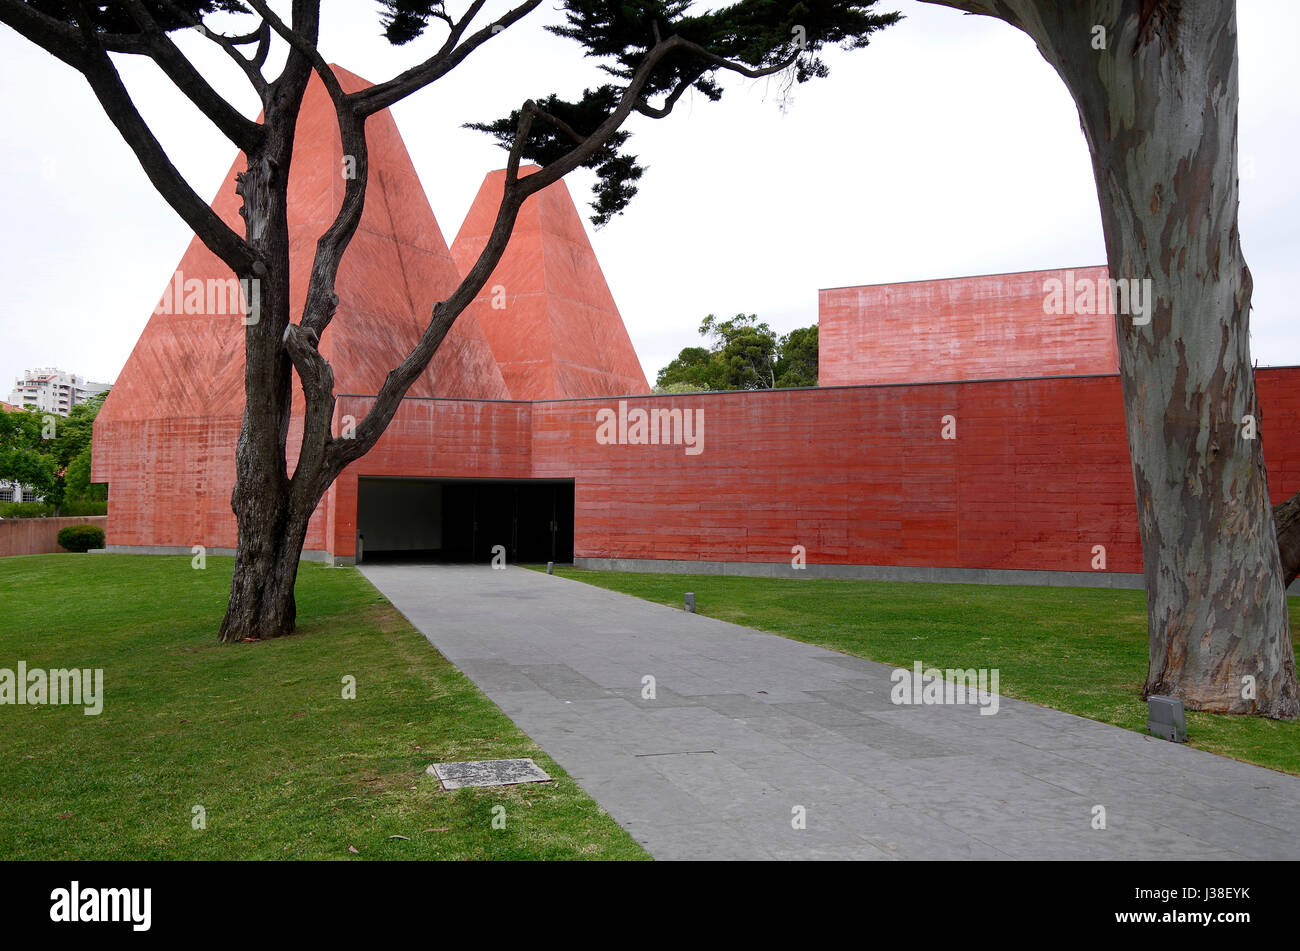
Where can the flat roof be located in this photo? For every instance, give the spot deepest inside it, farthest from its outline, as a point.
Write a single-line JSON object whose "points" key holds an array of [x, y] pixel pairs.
{"points": [[963, 277]]}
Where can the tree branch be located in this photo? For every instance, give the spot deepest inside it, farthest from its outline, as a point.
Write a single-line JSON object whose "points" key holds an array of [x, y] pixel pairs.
{"points": [[322, 301], [252, 68], [661, 112], [383, 95], [116, 102], [242, 131], [57, 38], [317, 379]]}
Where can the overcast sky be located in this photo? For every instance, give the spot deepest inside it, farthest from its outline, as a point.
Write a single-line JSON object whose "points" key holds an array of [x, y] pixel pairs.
{"points": [[948, 147]]}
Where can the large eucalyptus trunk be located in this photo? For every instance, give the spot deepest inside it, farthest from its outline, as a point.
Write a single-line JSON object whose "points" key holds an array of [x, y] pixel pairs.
{"points": [[1155, 83]]}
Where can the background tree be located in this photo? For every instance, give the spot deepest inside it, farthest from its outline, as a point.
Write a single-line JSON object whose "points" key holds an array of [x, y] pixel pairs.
{"points": [[25, 456], [746, 349], [50, 455], [679, 388], [1155, 83], [695, 367], [745, 354], [796, 362], [653, 52], [72, 451]]}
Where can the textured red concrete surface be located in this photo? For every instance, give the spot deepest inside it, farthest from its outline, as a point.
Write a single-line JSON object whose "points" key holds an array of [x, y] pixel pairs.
{"points": [[546, 309], [1037, 475], [39, 536], [965, 328]]}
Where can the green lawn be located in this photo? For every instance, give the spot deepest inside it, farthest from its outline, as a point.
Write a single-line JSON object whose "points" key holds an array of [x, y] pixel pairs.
{"points": [[259, 735], [1082, 650]]}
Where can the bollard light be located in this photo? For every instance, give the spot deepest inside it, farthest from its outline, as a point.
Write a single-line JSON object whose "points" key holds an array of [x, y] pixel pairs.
{"points": [[690, 602], [1165, 718], [550, 567]]}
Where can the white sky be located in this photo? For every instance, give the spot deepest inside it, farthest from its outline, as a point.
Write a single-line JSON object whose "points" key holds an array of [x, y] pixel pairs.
{"points": [[948, 147]]}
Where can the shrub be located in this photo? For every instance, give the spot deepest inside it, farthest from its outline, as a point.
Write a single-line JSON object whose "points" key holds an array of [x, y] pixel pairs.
{"points": [[81, 537], [78, 509], [25, 509], [83, 507]]}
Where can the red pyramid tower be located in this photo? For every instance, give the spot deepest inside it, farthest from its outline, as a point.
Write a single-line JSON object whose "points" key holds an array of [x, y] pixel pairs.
{"points": [[559, 333], [166, 436]]}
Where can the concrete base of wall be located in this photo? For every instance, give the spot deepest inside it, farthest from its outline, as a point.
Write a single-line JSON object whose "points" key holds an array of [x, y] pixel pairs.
{"points": [[308, 555], [751, 569], [933, 575]]}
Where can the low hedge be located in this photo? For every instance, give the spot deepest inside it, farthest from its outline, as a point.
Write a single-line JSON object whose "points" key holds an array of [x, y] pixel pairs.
{"points": [[79, 509], [81, 537]]}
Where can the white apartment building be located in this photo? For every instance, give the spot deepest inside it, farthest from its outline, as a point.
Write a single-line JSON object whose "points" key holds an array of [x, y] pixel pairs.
{"points": [[13, 492], [50, 390]]}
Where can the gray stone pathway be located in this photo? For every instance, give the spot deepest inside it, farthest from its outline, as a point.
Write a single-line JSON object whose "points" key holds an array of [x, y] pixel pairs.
{"points": [[747, 726]]}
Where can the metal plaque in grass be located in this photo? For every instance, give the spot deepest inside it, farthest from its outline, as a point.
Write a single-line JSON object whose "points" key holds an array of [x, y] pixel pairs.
{"points": [[488, 772]]}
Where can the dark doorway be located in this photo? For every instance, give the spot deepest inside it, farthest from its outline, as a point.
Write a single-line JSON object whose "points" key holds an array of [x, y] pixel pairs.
{"points": [[463, 520]]}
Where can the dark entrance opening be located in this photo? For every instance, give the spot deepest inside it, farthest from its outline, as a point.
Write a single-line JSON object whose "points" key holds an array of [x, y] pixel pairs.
{"points": [[464, 520]]}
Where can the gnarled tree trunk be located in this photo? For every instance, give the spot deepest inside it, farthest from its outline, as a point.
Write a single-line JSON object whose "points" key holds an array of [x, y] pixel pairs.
{"points": [[271, 532], [1155, 82]]}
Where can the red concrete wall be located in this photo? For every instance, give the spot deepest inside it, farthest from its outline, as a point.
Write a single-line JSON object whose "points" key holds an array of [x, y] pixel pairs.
{"points": [[172, 480], [1038, 475], [447, 439], [39, 536], [965, 328]]}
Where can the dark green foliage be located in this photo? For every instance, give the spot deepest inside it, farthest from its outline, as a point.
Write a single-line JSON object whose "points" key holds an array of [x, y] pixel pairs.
{"points": [[81, 538], [796, 363], [405, 20], [754, 34], [745, 355], [548, 141], [25, 457], [77, 480], [46, 510], [746, 349], [28, 468], [116, 18], [694, 366]]}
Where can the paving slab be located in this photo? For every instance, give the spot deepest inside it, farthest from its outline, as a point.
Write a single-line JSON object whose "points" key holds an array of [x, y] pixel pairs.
{"points": [[759, 747]]}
